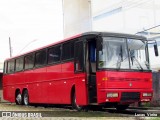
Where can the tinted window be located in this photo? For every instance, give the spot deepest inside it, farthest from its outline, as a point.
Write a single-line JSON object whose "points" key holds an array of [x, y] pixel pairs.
{"points": [[29, 61], [79, 59], [68, 50], [11, 64], [19, 64], [40, 58], [54, 54], [5, 68]]}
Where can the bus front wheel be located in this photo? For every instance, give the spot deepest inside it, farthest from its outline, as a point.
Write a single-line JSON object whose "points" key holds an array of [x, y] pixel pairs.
{"points": [[74, 103], [25, 98]]}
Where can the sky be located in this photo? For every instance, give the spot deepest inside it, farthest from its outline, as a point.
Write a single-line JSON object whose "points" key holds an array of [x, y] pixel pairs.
{"points": [[30, 24]]}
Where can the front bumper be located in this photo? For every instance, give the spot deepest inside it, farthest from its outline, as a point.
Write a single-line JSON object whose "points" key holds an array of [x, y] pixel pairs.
{"points": [[124, 95]]}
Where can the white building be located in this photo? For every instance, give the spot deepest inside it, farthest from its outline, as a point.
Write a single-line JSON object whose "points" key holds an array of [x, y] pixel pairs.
{"points": [[125, 16]]}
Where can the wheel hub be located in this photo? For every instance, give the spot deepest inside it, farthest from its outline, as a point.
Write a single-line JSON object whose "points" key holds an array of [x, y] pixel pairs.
{"points": [[19, 98]]}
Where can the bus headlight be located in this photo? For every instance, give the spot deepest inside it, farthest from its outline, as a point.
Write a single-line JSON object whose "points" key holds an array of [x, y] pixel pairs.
{"points": [[147, 94], [111, 95]]}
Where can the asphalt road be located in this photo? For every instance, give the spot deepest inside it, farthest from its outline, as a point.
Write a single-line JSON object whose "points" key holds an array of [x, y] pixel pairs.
{"points": [[66, 112]]}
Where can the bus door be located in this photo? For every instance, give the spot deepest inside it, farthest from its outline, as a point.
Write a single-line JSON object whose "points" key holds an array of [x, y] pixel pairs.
{"points": [[90, 61], [80, 75]]}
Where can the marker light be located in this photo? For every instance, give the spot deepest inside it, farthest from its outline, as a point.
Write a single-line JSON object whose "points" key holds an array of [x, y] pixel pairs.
{"points": [[104, 78]]}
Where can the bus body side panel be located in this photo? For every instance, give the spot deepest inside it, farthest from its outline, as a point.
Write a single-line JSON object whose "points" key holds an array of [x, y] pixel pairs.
{"points": [[35, 79], [9, 93], [68, 81], [8, 79], [5, 95], [81, 89], [9, 87], [29, 77], [129, 83], [53, 84], [19, 78]]}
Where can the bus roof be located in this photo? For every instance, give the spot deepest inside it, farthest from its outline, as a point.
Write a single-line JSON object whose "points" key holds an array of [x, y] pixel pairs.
{"points": [[112, 34], [80, 35]]}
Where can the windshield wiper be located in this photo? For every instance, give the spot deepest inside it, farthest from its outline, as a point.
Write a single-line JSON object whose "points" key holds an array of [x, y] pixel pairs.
{"points": [[132, 57], [147, 65], [120, 58], [138, 63], [118, 64]]}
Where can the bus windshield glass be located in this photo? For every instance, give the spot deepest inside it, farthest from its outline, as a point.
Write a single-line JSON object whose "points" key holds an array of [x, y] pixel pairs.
{"points": [[122, 53]]}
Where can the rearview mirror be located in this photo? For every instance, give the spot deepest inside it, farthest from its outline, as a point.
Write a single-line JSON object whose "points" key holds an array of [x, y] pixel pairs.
{"points": [[156, 50], [155, 46]]}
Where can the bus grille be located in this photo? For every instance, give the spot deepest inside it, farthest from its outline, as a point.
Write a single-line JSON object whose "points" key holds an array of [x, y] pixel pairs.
{"points": [[130, 96]]}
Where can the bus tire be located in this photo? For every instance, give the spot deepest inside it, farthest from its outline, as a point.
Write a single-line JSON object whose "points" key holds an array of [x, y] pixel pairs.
{"points": [[74, 104], [25, 98], [18, 98], [121, 107]]}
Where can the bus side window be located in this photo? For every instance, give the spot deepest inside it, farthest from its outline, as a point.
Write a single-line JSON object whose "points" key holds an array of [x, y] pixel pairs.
{"points": [[40, 58], [79, 56], [54, 54], [5, 68], [29, 61], [11, 65], [19, 64], [68, 50]]}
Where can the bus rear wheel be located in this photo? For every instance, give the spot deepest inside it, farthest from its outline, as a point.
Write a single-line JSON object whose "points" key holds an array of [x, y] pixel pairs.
{"points": [[25, 98], [74, 103], [18, 98]]}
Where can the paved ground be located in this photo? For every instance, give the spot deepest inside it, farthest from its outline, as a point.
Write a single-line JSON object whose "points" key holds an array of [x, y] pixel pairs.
{"points": [[58, 113]]}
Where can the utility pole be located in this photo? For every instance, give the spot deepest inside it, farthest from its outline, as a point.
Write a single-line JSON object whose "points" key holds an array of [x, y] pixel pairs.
{"points": [[10, 47]]}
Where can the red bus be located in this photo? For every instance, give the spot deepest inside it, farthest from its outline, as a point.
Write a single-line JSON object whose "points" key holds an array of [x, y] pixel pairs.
{"points": [[93, 68]]}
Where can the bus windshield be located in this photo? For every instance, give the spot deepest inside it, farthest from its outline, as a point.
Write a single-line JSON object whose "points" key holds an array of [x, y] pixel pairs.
{"points": [[122, 53]]}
